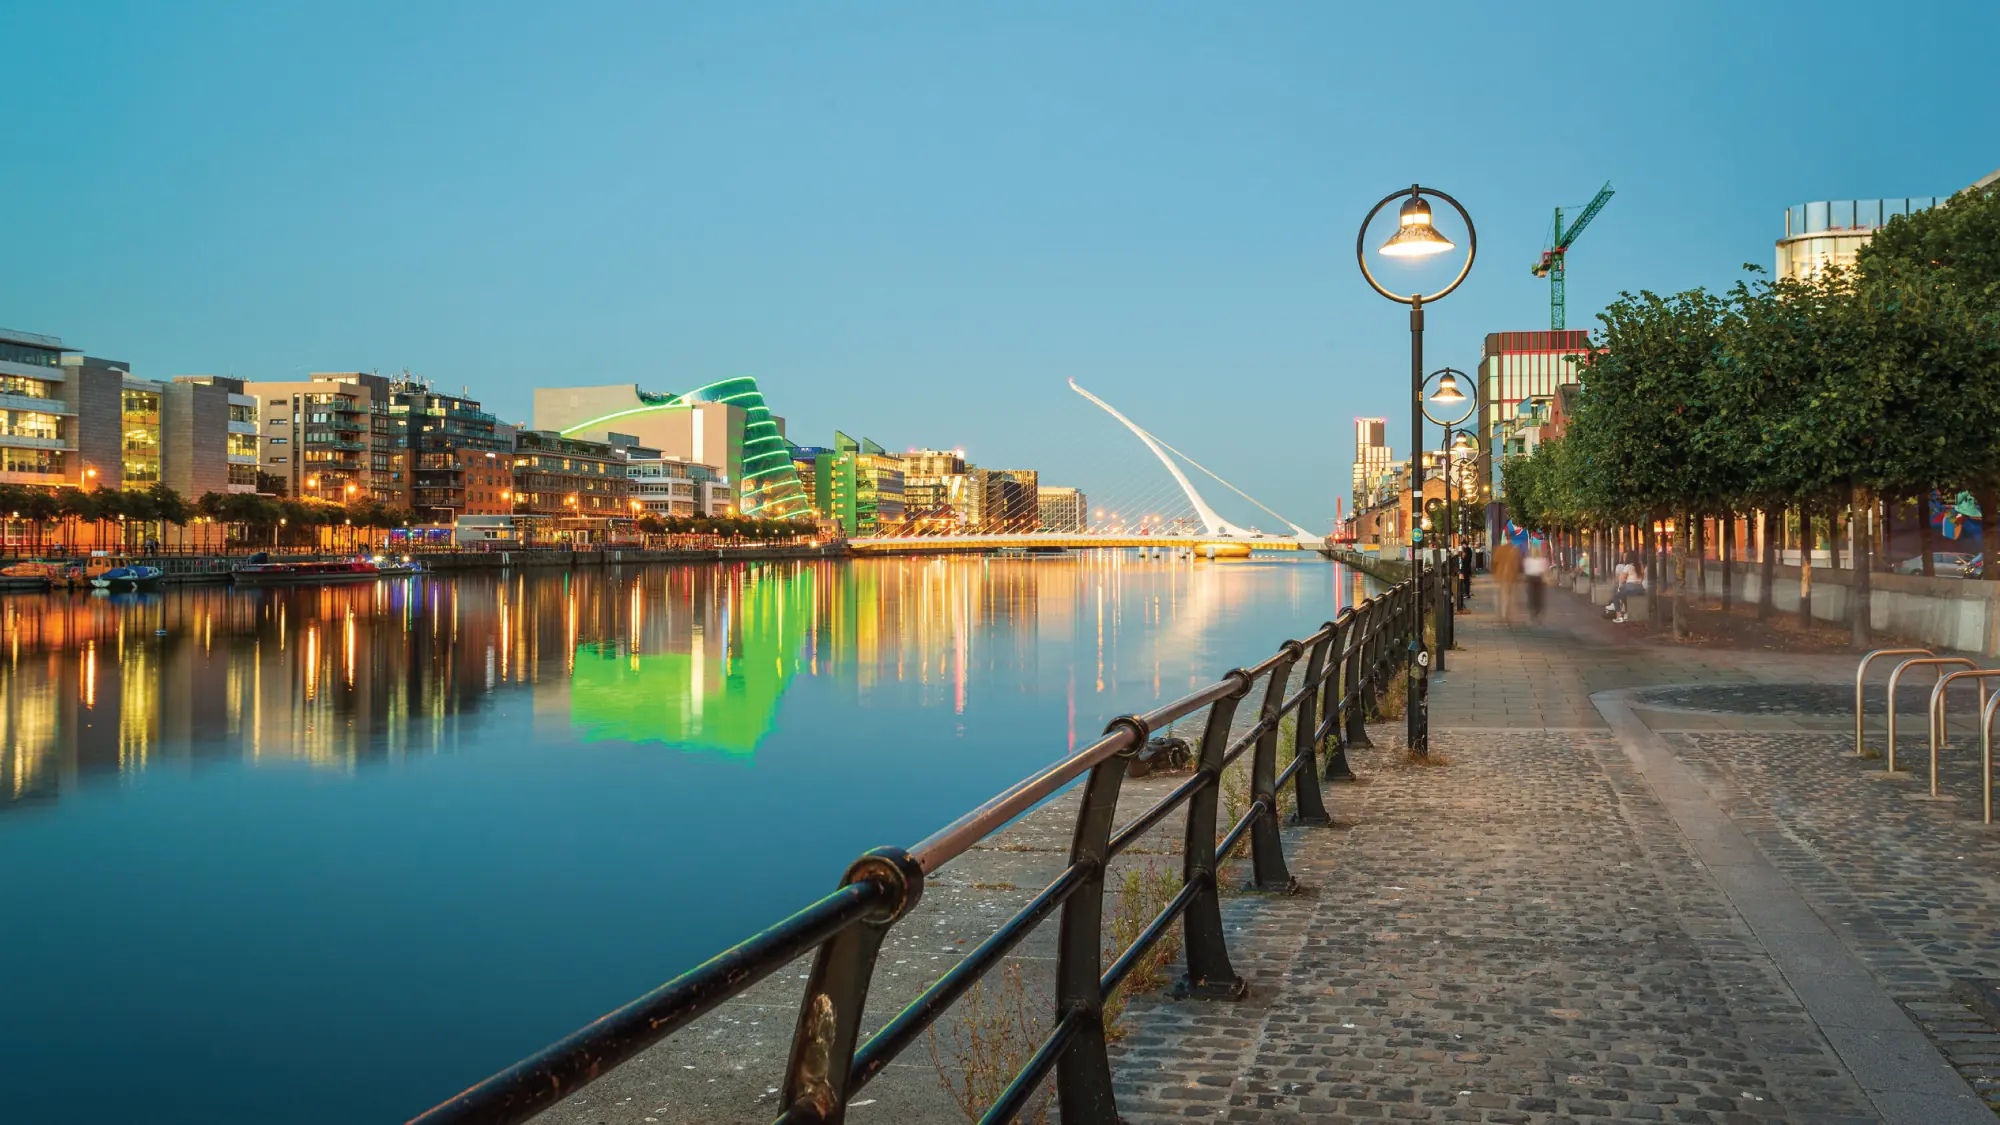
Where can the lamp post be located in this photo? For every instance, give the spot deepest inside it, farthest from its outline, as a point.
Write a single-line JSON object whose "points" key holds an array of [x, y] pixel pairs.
{"points": [[1415, 237], [1448, 395]]}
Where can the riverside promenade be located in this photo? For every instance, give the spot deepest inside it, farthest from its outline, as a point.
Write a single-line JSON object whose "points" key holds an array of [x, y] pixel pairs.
{"points": [[1630, 893], [1642, 882]]}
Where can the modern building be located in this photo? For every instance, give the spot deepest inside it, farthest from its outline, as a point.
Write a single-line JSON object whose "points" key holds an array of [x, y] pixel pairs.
{"points": [[724, 424], [1833, 232], [332, 437], [450, 442], [38, 412], [1371, 456], [208, 435], [1012, 504], [569, 478], [934, 462], [1062, 509], [1515, 368], [665, 487], [858, 486]]}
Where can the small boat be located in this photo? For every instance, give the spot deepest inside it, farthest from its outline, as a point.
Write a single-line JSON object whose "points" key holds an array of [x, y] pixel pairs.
{"points": [[391, 568], [123, 578], [305, 573]]}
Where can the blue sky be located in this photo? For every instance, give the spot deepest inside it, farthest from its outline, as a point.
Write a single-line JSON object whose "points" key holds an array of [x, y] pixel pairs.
{"points": [[915, 221]]}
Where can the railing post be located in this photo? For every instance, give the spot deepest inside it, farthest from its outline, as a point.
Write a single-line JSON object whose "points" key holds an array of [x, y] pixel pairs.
{"points": [[1267, 849], [822, 1060], [1354, 682], [1209, 974], [1436, 582], [1341, 713], [1308, 806], [1083, 1073]]}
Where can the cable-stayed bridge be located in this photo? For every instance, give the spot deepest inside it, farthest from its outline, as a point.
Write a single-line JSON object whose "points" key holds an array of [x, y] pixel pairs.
{"points": [[1206, 535]]}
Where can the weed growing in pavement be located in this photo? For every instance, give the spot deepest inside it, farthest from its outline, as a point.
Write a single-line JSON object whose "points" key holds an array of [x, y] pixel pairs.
{"points": [[1142, 894], [993, 1033]]}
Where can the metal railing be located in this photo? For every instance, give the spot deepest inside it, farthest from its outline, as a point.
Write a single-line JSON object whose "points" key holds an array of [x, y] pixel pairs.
{"points": [[1347, 663], [1986, 756]]}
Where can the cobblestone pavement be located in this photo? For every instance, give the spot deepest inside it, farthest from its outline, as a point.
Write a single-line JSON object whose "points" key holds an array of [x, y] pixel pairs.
{"points": [[1541, 930]]}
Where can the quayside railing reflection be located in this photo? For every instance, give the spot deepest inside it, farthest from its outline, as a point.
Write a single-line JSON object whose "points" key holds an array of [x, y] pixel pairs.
{"points": [[1345, 666]]}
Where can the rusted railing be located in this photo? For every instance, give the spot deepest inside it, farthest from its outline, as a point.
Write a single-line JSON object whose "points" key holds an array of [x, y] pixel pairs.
{"points": [[1344, 666]]}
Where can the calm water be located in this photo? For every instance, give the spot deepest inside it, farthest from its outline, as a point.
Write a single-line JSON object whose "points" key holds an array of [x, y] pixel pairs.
{"points": [[328, 855]]}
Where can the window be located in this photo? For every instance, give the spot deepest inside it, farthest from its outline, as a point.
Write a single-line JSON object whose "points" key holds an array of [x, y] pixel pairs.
{"points": [[33, 357], [278, 440]]}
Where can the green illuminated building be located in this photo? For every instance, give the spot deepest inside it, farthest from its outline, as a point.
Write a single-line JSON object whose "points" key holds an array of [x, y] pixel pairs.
{"points": [[859, 485], [725, 425]]}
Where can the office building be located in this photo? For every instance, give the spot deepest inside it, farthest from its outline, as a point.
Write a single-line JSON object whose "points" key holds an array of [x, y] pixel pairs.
{"points": [[38, 412], [858, 486], [724, 424], [208, 435], [934, 462], [1832, 233], [1012, 500], [1371, 456], [1062, 509], [665, 487]]}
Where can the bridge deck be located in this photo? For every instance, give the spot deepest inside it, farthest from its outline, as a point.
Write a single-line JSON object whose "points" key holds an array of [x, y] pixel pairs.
{"points": [[912, 543]]}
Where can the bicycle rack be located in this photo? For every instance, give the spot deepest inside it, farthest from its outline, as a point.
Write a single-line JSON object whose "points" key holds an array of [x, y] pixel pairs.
{"points": [[1936, 661], [1861, 675], [1986, 753], [1940, 706]]}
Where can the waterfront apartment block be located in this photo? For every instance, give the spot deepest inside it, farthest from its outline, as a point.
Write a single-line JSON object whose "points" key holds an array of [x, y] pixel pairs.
{"points": [[666, 487], [214, 421], [564, 478], [1062, 509], [331, 437], [450, 441]]}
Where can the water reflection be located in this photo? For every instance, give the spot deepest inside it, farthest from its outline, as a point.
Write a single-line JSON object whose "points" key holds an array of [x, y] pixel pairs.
{"points": [[694, 658]]}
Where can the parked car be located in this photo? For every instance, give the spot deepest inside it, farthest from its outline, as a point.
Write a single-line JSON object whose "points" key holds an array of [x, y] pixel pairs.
{"points": [[1946, 564]]}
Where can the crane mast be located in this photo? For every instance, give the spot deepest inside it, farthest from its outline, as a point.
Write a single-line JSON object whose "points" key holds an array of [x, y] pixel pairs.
{"points": [[1551, 263]]}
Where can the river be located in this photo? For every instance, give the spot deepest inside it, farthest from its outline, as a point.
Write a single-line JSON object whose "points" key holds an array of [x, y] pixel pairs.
{"points": [[328, 855]]}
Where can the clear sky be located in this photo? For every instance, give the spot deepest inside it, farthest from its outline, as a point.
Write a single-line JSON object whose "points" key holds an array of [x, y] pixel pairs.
{"points": [[914, 221]]}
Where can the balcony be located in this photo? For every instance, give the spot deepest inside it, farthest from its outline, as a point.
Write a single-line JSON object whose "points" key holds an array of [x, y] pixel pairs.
{"points": [[236, 427], [14, 442], [37, 405]]}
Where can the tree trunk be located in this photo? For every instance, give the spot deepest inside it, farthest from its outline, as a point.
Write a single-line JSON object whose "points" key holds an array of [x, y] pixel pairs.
{"points": [[1885, 543], [1769, 571], [1924, 533], [1862, 578], [1700, 530], [1682, 535], [1728, 557], [1656, 604], [1805, 564]]}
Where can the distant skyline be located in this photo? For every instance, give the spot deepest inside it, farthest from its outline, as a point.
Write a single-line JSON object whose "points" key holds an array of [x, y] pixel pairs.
{"points": [[915, 221]]}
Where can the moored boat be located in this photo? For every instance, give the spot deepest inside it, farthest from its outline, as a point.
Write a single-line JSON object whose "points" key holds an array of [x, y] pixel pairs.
{"points": [[305, 573], [123, 578]]}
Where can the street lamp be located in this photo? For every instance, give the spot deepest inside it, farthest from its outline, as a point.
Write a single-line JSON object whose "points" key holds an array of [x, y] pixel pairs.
{"points": [[1416, 238], [1447, 395]]}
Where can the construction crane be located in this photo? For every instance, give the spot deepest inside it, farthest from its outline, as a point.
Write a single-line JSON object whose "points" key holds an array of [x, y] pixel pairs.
{"points": [[1560, 240]]}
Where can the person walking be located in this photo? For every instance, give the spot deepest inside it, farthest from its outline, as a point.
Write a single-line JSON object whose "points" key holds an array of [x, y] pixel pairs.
{"points": [[1627, 579], [1507, 575], [1534, 571]]}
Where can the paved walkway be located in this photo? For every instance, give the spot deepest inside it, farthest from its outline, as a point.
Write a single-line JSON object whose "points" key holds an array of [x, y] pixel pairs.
{"points": [[1610, 904]]}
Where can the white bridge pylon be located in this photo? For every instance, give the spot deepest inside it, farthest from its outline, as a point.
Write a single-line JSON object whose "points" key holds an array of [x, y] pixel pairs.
{"points": [[1215, 524]]}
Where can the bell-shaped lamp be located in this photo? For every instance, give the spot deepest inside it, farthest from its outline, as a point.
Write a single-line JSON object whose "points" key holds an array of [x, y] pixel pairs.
{"points": [[1415, 237], [1448, 393]]}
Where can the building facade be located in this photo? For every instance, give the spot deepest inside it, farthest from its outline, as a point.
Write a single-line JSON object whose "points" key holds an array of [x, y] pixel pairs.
{"points": [[560, 477], [1371, 456], [1062, 509], [1833, 232], [448, 440], [38, 412], [332, 437]]}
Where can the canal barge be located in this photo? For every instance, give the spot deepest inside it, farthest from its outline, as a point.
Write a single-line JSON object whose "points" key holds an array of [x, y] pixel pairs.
{"points": [[304, 573]]}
